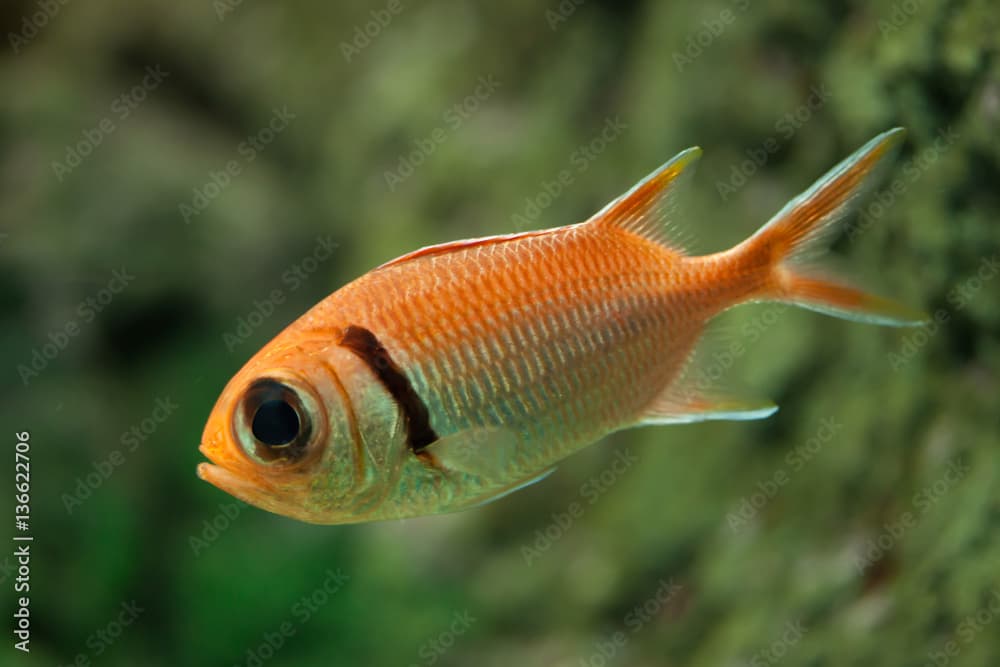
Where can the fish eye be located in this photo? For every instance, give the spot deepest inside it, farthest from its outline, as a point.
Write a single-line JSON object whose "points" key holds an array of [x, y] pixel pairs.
{"points": [[273, 424]]}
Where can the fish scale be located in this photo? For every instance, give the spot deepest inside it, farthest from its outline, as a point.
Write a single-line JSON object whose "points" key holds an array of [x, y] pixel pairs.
{"points": [[459, 373], [586, 329]]}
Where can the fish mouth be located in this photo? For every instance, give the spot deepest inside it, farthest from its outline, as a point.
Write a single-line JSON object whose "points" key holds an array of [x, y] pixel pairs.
{"points": [[226, 480], [253, 489], [252, 493]]}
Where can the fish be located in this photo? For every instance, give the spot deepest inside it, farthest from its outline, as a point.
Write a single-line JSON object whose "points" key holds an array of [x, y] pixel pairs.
{"points": [[459, 373]]}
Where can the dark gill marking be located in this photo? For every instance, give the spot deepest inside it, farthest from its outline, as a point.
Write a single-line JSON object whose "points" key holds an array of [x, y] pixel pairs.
{"points": [[367, 347]]}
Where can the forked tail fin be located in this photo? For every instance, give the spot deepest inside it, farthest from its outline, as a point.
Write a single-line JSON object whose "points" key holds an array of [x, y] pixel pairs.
{"points": [[783, 250]]}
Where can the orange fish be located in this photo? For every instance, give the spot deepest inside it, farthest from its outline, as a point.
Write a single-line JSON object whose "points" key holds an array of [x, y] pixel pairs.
{"points": [[461, 372]]}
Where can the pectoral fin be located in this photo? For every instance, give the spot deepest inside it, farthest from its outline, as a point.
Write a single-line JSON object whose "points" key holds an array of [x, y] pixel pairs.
{"points": [[488, 452], [492, 453], [504, 492]]}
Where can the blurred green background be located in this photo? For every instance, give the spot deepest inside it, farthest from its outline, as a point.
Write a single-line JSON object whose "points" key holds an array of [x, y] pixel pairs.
{"points": [[172, 172]]}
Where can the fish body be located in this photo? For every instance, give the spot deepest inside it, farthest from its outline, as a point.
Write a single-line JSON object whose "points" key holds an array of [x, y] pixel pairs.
{"points": [[458, 373]]}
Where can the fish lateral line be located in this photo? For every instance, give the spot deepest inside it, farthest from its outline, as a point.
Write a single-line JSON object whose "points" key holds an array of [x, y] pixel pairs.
{"points": [[367, 347], [580, 331]]}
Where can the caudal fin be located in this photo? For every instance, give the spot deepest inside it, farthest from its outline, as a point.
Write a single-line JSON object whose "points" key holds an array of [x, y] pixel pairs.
{"points": [[784, 249]]}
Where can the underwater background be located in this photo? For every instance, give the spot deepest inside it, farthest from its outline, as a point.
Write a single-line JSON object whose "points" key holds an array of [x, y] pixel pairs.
{"points": [[180, 180]]}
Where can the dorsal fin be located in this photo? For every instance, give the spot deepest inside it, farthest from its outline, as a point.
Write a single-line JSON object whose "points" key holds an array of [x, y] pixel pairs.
{"points": [[453, 246], [644, 210], [647, 208]]}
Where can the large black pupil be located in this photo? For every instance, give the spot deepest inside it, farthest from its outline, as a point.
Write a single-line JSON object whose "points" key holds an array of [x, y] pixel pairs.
{"points": [[275, 423]]}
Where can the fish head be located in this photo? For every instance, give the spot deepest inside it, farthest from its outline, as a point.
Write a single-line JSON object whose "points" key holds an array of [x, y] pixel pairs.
{"points": [[282, 436]]}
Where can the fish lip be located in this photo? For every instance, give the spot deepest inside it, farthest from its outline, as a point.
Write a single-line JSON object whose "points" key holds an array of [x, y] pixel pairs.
{"points": [[222, 477], [229, 476], [227, 481], [251, 492]]}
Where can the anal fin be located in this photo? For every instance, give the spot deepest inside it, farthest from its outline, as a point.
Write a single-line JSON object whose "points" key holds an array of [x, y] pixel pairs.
{"points": [[681, 409], [701, 392]]}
